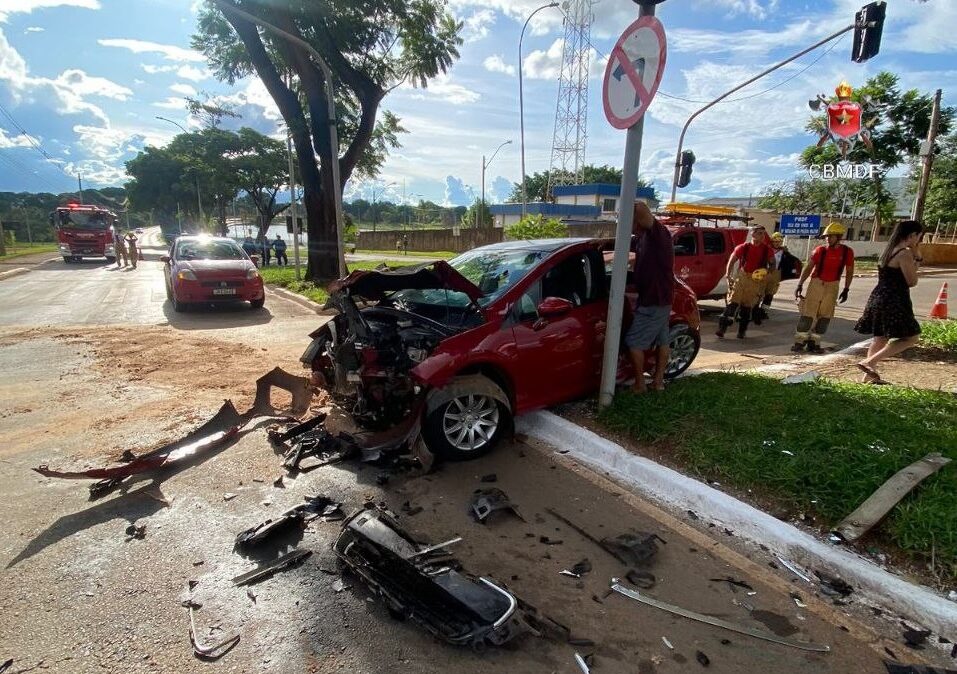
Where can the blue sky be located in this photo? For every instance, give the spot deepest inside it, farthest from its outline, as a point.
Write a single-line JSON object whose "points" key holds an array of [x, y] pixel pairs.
{"points": [[86, 78]]}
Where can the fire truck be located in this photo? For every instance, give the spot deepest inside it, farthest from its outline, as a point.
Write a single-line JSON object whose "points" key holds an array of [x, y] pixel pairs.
{"points": [[84, 231]]}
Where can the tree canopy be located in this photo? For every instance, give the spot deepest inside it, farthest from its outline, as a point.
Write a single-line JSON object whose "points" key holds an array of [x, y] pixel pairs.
{"points": [[371, 47], [941, 202]]}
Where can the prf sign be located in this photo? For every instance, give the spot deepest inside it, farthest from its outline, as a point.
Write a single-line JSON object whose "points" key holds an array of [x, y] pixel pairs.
{"points": [[841, 171]]}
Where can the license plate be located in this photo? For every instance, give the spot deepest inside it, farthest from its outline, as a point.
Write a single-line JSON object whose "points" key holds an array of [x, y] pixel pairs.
{"points": [[224, 291]]}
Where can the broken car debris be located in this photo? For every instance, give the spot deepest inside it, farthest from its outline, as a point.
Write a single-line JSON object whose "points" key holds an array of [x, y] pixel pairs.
{"points": [[208, 651], [456, 607], [487, 501], [314, 507], [717, 622], [266, 570]]}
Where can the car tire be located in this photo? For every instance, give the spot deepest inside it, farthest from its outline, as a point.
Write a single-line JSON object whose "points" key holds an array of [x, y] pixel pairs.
{"points": [[684, 344], [110, 260], [68, 259], [177, 305], [446, 438], [257, 304]]}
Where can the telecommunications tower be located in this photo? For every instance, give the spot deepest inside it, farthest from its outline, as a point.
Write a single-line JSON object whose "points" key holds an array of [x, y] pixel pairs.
{"points": [[571, 113]]}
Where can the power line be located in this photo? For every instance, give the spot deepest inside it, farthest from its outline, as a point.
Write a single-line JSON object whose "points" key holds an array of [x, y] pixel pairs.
{"points": [[46, 155], [30, 174]]}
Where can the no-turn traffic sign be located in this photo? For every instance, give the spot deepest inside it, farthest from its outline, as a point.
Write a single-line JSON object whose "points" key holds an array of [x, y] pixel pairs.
{"points": [[634, 72]]}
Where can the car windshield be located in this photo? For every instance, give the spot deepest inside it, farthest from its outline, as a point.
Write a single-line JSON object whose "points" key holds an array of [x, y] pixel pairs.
{"points": [[492, 271], [83, 220], [209, 250]]}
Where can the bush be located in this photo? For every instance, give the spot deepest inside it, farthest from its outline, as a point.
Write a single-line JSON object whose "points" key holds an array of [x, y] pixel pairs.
{"points": [[942, 334], [536, 227]]}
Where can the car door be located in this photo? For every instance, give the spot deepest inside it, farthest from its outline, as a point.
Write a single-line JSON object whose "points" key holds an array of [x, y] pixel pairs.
{"points": [[715, 251], [559, 358], [689, 262]]}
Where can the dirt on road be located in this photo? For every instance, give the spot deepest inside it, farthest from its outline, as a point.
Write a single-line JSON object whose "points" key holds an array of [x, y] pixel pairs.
{"points": [[82, 596]]}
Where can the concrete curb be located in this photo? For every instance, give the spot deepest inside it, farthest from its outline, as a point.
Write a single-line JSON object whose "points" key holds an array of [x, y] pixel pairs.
{"points": [[679, 493], [295, 298], [13, 272]]}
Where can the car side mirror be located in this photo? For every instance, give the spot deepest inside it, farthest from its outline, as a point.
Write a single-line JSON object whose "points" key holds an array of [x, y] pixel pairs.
{"points": [[164, 259], [553, 307]]}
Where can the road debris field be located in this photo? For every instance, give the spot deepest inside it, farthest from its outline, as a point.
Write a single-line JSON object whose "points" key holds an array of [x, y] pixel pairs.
{"points": [[243, 556]]}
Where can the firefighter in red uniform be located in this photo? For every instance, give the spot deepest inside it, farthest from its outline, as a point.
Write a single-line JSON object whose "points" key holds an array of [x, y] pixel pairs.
{"points": [[826, 266], [753, 260]]}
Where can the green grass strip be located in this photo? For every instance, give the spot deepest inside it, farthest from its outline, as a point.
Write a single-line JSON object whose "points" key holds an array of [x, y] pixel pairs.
{"points": [[820, 447]]}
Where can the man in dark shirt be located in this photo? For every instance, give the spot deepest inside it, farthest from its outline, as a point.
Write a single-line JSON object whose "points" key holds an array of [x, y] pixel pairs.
{"points": [[653, 278]]}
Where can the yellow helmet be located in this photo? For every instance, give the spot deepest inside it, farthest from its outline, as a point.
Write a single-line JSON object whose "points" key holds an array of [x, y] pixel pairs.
{"points": [[759, 274], [835, 229], [777, 236]]}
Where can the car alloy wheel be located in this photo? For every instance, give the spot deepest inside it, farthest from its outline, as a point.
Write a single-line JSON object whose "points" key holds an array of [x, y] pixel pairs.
{"points": [[684, 348], [470, 422]]}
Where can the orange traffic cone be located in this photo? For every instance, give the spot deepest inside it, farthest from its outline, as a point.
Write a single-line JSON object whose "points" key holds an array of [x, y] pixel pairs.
{"points": [[939, 310]]}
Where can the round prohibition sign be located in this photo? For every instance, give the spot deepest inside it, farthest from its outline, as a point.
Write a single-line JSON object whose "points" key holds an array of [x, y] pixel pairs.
{"points": [[634, 72]]}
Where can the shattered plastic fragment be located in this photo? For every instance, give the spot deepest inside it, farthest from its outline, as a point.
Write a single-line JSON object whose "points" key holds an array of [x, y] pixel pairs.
{"points": [[667, 643], [702, 658], [487, 501]]}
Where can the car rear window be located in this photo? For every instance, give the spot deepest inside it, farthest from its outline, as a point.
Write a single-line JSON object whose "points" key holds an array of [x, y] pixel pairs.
{"points": [[713, 242]]}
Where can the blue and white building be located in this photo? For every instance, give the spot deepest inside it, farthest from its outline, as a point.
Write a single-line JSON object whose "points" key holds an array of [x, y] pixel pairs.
{"points": [[595, 202]]}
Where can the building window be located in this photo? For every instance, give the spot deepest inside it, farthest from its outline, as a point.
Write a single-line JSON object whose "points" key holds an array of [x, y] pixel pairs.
{"points": [[608, 205]]}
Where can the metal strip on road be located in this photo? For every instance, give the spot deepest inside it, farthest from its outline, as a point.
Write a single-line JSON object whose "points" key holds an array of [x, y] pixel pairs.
{"points": [[717, 622]]}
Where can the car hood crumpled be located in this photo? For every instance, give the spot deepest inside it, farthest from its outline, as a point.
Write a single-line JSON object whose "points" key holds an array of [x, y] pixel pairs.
{"points": [[374, 284]]}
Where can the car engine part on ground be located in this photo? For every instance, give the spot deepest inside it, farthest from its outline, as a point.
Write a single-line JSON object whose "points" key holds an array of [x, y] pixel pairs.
{"points": [[487, 501], [266, 570], [717, 622], [458, 608], [215, 433], [314, 507]]}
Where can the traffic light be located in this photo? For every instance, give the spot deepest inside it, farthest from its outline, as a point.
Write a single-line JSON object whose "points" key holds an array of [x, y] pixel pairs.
{"points": [[684, 168], [868, 26]]}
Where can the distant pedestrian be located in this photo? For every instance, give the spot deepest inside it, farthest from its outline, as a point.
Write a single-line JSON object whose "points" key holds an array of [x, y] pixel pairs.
{"points": [[405, 244], [889, 313], [752, 260], [825, 268], [654, 282], [280, 247], [131, 245], [119, 246], [266, 249]]}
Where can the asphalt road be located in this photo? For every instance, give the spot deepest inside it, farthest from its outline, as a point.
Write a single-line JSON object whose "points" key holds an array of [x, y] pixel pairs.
{"points": [[93, 361]]}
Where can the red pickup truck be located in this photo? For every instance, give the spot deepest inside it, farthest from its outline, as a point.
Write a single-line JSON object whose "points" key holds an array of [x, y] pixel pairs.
{"points": [[703, 245]]}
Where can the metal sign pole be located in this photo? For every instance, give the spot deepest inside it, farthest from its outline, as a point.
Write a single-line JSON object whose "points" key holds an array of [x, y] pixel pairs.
{"points": [[619, 269]]}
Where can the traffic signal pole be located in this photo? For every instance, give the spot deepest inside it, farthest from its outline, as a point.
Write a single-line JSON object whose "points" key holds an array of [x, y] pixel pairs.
{"points": [[684, 129]]}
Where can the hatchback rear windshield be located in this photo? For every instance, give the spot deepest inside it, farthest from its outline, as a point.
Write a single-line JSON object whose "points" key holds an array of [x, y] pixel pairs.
{"points": [[209, 250]]}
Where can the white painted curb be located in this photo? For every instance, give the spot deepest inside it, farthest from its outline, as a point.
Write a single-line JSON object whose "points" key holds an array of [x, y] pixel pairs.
{"points": [[295, 298], [13, 272], [679, 492]]}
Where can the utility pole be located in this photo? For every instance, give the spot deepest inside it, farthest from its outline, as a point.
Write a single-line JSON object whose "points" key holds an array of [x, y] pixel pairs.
{"points": [[927, 158], [619, 271], [79, 181]]}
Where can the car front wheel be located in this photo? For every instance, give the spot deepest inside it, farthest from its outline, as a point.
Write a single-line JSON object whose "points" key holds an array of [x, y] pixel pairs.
{"points": [[466, 427], [684, 344]]}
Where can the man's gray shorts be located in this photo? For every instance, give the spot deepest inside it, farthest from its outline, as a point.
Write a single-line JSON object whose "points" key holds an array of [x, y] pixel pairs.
{"points": [[649, 328]]}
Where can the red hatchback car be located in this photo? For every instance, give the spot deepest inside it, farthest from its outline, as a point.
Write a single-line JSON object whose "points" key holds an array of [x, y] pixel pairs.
{"points": [[210, 269], [465, 345]]}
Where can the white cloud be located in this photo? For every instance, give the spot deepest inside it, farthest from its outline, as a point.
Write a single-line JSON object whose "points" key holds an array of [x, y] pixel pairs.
{"points": [[184, 89], [168, 51], [759, 10], [544, 65], [517, 10], [171, 103], [186, 72], [742, 43], [85, 85], [444, 89], [496, 64], [27, 6], [34, 29], [16, 141], [477, 25]]}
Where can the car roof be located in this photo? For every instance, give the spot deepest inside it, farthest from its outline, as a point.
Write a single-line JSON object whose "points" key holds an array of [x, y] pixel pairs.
{"points": [[203, 238], [544, 245]]}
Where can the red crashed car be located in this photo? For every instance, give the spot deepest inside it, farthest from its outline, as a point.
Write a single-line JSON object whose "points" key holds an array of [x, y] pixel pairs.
{"points": [[463, 346], [210, 269]]}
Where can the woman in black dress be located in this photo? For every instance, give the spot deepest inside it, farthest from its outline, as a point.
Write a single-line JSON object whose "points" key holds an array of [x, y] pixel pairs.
{"points": [[889, 314]]}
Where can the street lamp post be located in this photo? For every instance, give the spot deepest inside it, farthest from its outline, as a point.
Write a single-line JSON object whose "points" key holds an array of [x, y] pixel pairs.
{"points": [[521, 103], [384, 188], [199, 198], [485, 165]]}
